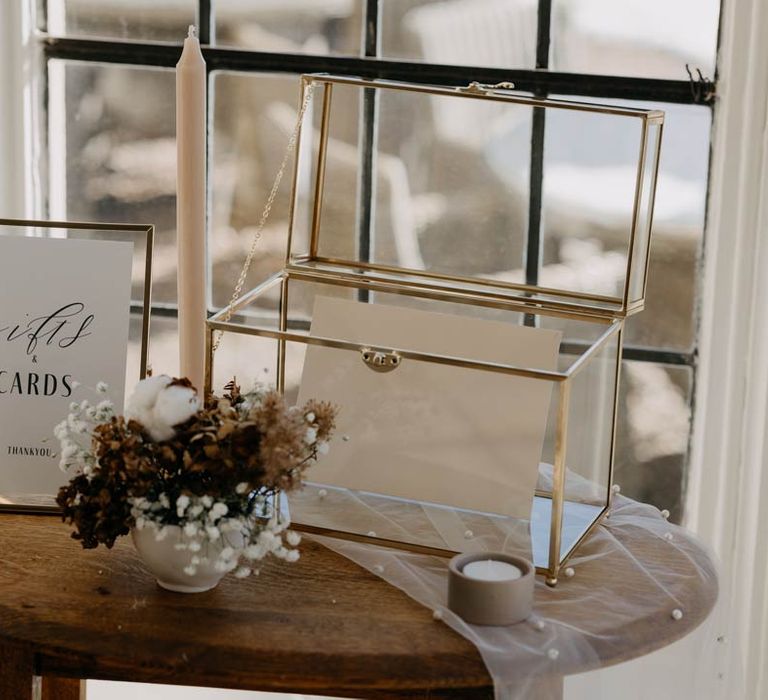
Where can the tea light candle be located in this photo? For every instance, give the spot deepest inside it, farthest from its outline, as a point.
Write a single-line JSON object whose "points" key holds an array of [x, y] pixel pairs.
{"points": [[491, 570], [490, 589]]}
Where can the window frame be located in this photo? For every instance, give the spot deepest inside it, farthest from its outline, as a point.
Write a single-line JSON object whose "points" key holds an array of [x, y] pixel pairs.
{"points": [[539, 81]]}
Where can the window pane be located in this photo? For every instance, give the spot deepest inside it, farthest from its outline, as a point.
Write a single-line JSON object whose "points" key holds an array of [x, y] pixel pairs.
{"points": [[491, 33], [589, 165], [166, 20], [669, 318], [254, 118], [653, 431], [291, 26], [113, 156], [647, 38]]}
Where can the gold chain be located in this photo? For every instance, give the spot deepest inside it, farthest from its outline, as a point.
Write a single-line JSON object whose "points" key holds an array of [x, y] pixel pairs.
{"points": [[265, 213]]}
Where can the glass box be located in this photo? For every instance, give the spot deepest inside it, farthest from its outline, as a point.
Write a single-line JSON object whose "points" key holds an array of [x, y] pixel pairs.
{"points": [[413, 199]]}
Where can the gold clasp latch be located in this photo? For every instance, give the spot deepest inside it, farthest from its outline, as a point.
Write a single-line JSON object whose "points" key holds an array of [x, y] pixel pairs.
{"points": [[484, 88], [380, 360]]}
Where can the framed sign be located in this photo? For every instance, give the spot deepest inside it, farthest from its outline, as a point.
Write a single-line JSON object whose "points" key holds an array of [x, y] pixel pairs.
{"points": [[74, 313]]}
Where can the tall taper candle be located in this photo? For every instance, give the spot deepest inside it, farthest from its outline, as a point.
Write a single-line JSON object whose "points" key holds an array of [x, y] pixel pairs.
{"points": [[190, 208]]}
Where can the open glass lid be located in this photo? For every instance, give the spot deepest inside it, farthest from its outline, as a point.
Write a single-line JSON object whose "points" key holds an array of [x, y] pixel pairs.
{"points": [[477, 188]]}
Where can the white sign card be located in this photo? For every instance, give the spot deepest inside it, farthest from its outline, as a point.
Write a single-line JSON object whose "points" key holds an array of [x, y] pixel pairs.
{"points": [[64, 320], [429, 432]]}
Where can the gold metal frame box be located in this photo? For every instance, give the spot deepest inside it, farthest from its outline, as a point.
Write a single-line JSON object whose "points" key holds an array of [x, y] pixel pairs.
{"points": [[327, 255]]}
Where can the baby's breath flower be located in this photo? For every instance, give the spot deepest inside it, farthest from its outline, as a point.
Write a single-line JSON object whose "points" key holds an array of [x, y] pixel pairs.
{"points": [[182, 502], [251, 445], [243, 572], [217, 511]]}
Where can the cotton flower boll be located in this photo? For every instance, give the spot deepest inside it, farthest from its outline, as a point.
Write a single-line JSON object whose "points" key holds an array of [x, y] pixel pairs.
{"points": [[293, 538], [310, 417], [175, 405], [142, 401], [292, 555], [243, 572], [194, 546], [311, 436], [323, 448], [190, 529], [159, 406], [145, 393], [227, 553]]}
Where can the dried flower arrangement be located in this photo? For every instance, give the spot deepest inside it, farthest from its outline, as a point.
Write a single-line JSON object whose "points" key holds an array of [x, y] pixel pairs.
{"points": [[208, 473]]}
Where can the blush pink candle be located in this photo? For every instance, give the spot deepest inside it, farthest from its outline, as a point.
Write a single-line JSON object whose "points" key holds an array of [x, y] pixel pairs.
{"points": [[191, 208]]}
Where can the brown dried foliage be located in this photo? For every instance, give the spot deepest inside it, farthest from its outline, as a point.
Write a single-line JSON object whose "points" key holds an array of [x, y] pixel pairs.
{"points": [[255, 439]]}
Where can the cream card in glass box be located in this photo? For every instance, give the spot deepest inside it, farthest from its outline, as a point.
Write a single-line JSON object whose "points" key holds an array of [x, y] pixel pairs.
{"points": [[64, 321], [429, 432]]}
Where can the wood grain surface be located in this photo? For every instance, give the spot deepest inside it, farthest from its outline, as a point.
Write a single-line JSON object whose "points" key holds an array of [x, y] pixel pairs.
{"points": [[322, 626]]}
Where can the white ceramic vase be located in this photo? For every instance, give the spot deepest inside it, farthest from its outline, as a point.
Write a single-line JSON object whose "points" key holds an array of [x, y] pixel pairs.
{"points": [[167, 563]]}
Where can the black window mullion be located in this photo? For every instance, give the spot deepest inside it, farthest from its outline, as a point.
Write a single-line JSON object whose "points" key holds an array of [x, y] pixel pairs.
{"points": [[206, 25], [543, 33], [163, 55], [366, 186], [367, 140], [533, 242]]}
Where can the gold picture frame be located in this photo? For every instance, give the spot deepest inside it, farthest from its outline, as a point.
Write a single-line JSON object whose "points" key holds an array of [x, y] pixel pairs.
{"points": [[142, 237]]}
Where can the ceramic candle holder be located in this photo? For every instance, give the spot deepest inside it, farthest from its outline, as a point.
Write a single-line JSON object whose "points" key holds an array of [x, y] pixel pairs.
{"points": [[483, 601]]}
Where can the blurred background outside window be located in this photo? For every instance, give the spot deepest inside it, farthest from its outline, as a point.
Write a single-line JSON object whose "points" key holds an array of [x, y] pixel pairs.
{"points": [[111, 145]]}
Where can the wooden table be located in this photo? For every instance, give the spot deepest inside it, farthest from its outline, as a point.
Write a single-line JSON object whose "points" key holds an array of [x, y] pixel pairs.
{"points": [[321, 626]]}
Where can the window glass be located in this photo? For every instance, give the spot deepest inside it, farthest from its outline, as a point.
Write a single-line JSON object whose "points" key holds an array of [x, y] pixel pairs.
{"points": [[113, 156], [291, 26], [126, 19], [490, 33], [646, 38], [254, 116], [653, 429], [587, 206]]}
